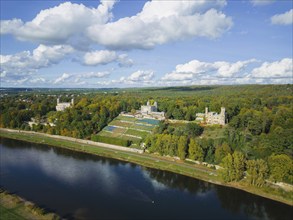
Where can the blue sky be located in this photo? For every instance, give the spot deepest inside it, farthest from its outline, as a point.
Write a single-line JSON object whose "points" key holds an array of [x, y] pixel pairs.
{"points": [[95, 44]]}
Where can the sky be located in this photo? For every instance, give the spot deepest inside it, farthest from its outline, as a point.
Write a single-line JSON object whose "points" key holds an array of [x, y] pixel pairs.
{"points": [[136, 43]]}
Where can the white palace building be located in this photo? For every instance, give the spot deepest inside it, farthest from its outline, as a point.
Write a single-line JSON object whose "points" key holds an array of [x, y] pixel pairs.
{"points": [[212, 118], [152, 111], [61, 106], [147, 111]]}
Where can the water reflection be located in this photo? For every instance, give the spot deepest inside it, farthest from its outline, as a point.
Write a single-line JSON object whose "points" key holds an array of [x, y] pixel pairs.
{"points": [[81, 186], [230, 199], [65, 168], [253, 205], [161, 180]]}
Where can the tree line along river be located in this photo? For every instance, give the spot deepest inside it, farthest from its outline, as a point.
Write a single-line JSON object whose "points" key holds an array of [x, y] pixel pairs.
{"points": [[80, 186]]}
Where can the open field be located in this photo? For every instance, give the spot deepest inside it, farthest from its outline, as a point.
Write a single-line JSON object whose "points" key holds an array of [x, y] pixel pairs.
{"points": [[154, 161], [13, 207], [129, 128]]}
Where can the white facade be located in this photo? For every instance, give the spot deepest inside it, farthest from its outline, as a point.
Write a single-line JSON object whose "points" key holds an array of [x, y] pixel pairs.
{"points": [[212, 117], [61, 106], [146, 109], [150, 111]]}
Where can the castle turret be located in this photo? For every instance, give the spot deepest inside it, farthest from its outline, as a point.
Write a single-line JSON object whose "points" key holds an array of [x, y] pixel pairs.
{"points": [[72, 102], [223, 111], [58, 101], [223, 116], [156, 104], [148, 103], [206, 111]]}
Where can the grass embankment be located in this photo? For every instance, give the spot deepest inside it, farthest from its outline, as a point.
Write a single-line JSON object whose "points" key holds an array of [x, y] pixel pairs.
{"points": [[16, 208], [157, 162]]}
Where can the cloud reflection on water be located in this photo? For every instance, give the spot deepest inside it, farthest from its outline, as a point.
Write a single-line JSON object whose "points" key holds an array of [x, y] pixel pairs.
{"points": [[64, 168]]}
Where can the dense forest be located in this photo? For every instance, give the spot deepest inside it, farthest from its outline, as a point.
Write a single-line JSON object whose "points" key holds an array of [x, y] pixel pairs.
{"points": [[258, 139]]}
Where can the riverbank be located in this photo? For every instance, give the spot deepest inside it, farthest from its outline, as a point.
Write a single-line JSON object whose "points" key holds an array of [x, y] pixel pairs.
{"points": [[17, 208], [148, 160]]}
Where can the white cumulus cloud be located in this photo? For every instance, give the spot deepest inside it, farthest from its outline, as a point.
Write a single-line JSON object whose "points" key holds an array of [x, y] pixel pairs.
{"points": [[91, 75], [10, 26], [160, 22], [196, 69], [174, 76], [157, 23], [38, 80], [26, 62], [62, 78], [222, 72], [277, 69], [99, 57], [77, 79], [61, 24], [141, 76], [283, 19], [138, 78], [102, 57], [226, 69]]}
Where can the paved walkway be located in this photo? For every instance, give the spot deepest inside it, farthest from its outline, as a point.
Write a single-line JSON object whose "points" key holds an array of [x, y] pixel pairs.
{"points": [[98, 144]]}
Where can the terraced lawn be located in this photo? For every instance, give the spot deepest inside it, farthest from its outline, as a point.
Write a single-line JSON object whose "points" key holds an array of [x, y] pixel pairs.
{"points": [[125, 118], [120, 123], [137, 133], [142, 127], [129, 128]]}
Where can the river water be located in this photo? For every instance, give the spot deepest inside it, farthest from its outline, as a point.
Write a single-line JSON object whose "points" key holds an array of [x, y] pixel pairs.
{"points": [[81, 186]]}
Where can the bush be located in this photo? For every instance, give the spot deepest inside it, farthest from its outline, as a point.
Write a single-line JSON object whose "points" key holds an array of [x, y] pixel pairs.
{"points": [[111, 140], [193, 129]]}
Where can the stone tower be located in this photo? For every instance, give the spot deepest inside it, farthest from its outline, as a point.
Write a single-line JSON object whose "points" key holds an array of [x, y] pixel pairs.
{"points": [[206, 111], [223, 111], [223, 116]]}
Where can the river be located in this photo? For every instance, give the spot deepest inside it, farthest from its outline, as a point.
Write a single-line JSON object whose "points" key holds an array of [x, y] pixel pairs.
{"points": [[80, 186]]}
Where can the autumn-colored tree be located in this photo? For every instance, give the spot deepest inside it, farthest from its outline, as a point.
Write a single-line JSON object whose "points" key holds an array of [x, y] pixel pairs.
{"points": [[182, 147], [222, 151], [281, 167], [257, 171], [234, 167], [195, 152]]}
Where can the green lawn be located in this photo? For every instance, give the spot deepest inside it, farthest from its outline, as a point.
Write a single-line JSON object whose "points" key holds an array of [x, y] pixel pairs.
{"points": [[121, 123], [6, 213], [109, 134], [133, 139], [13, 207], [125, 118], [142, 134], [142, 127], [213, 132]]}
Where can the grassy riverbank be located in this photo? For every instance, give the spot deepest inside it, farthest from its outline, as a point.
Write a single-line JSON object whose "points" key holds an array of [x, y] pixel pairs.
{"points": [[152, 161], [16, 208]]}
